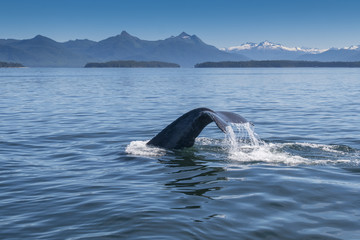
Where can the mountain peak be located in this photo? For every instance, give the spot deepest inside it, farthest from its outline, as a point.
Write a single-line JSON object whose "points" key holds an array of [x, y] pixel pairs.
{"points": [[39, 38], [184, 35], [269, 45], [266, 43], [353, 47], [125, 33]]}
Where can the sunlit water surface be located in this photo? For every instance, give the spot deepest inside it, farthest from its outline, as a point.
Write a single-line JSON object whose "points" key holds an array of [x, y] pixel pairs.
{"points": [[74, 162]]}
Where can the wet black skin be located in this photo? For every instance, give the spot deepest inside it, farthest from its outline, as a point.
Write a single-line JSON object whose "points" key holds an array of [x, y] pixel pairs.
{"points": [[182, 132]]}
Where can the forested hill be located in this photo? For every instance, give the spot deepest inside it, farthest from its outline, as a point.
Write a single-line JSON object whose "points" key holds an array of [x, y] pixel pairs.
{"points": [[10, 65], [132, 64], [276, 64]]}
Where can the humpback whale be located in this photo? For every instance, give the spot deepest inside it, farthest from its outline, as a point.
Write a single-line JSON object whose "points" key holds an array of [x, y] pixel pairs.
{"points": [[182, 132]]}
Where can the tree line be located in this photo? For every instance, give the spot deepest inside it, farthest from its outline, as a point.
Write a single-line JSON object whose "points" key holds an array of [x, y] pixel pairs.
{"points": [[10, 65], [275, 64], [132, 64]]}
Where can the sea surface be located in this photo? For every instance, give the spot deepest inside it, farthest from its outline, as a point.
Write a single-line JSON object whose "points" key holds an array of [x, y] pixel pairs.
{"points": [[74, 162]]}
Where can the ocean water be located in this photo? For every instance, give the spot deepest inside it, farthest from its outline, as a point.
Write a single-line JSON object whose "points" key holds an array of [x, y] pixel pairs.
{"points": [[74, 162]]}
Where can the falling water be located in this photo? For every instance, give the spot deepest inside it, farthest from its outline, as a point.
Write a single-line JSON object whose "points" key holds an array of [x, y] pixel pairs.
{"points": [[244, 145], [239, 134]]}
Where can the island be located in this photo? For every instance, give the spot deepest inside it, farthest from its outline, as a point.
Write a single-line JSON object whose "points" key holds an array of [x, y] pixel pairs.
{"points": [[132, 64], [276, 64], [10, 65]]}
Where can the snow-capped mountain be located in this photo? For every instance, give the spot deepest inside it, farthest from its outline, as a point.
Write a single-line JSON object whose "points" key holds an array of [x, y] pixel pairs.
{"points": [[353, 47], [271, 51], [266, 45]]}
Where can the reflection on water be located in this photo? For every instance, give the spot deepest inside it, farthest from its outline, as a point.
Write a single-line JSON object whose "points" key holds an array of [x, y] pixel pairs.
{"points": [[194, 178]]}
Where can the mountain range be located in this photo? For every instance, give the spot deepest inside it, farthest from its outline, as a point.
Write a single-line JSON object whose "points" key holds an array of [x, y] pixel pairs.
{"points": [[184, 49], [272, 51]]}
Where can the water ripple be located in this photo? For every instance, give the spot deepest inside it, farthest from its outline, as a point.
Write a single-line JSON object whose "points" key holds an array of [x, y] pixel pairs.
{"points": [[75, 165]]}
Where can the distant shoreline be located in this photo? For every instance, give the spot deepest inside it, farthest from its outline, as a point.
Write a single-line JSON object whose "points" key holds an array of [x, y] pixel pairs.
{"points": [[11, 65], [277, 64], [132, 64]]}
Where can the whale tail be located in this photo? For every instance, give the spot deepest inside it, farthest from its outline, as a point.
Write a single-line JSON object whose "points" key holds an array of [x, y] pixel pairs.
{"points": [[183, 131]]}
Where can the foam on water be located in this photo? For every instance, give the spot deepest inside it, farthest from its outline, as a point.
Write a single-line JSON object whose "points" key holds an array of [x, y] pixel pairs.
{"points": [[243, 145], [141, 149]]}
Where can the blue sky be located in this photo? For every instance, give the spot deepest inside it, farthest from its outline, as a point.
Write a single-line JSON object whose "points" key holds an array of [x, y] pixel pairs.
{"points": [[222, 23]]}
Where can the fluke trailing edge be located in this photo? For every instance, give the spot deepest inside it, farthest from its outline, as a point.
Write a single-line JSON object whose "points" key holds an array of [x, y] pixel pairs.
{"points": [[183, 131]]}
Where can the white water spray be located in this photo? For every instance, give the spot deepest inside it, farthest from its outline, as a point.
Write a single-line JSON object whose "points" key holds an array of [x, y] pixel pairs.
{"points": [[244, 145], [243, 134]]}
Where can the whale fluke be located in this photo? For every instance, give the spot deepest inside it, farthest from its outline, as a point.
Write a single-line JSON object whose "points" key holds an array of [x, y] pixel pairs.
{"points": [[182, 132]]}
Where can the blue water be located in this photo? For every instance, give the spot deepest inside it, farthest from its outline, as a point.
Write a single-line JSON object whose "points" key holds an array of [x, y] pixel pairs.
{"points": [[74, 164]]}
